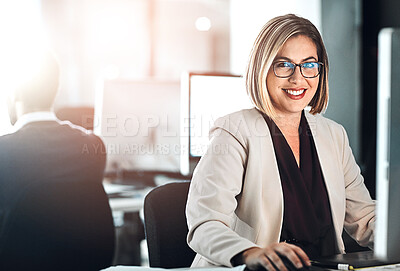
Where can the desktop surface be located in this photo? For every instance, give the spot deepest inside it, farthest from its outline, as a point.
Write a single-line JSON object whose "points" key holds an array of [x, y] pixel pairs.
{"points": [[393, 267], [143, 268], [144, 178], [126, 190]]}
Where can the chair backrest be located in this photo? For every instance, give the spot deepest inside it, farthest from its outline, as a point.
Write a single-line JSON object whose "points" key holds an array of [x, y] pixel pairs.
{"points": [[166, 228], [58, 226]]}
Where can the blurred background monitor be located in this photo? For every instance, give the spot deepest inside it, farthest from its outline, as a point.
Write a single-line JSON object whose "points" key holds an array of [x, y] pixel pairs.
{"points": [[139, 124], [387, 236], [204, 98]]}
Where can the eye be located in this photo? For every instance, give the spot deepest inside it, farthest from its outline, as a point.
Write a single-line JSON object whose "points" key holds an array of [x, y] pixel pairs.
{"points": [[284, 64], [310, 65]]}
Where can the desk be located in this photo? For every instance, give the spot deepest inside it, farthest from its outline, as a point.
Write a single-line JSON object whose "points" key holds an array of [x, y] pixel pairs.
{"points": [[142, 268], [130, 198], [237, 268], [125, 198]]}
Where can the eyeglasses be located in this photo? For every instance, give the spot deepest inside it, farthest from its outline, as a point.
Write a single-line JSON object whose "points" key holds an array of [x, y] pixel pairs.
{"points": [[284, 69]]}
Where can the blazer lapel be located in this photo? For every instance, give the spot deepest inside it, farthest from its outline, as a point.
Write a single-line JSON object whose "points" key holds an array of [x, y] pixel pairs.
{"points": [[331, 171], [272, 189]]}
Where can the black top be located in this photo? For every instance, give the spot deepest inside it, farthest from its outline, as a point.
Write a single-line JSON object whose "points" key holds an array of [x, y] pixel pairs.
{"points": [[307, 219]]}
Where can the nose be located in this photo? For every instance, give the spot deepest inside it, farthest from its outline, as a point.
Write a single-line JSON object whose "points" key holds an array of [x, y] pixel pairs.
{"points": [[296, 76]]}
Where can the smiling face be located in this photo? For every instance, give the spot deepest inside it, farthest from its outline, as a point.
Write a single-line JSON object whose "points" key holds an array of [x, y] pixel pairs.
{"points": [[291, 95]]}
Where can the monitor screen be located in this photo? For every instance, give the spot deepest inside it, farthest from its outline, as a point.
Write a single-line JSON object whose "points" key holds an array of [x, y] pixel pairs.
{"points": [[387, 235], [139, 124], [204, 98]]}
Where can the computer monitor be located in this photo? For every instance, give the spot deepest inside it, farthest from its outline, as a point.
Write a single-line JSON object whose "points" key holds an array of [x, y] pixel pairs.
{"points": [[387, 235], [139, 124], [204, 98]]}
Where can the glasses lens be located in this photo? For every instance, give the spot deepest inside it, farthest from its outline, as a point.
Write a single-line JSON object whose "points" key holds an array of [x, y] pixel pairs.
{"points": [[310, 69], [283, 68]]}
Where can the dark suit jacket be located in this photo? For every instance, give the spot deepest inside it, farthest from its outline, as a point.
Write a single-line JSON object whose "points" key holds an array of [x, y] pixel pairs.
{"points": [[54, 213], [48, 150]]}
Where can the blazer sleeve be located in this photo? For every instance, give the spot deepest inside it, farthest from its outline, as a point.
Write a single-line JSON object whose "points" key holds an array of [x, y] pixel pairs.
{"points": [[360, 208], [212, 202]]}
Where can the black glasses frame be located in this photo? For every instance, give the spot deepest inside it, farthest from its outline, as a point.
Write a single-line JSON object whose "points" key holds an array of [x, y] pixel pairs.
{"points": [[320, 67]]}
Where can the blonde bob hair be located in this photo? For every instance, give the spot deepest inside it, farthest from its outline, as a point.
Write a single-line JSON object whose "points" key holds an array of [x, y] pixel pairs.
{"points": [[267, 45]]}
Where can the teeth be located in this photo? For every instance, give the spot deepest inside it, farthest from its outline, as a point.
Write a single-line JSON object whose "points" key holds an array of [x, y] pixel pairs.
{"points": [[295, 92]]}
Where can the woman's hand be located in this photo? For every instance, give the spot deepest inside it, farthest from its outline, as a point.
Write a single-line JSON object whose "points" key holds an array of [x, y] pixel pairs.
{"points": [[270, 257]]}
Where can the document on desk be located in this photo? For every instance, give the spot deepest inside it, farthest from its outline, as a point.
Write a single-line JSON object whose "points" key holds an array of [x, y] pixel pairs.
{"points": [[142, 268]]}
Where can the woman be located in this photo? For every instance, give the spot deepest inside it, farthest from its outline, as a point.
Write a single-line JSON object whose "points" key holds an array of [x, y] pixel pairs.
{"points": [[288, 184]]}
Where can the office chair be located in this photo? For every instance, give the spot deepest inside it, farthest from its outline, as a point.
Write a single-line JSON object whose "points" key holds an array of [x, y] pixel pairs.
{"points": [[58, 226], [81, 116], [165, 226]]}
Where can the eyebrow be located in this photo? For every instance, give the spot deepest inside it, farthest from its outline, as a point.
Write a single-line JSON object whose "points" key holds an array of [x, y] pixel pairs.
{"points": [[290, 60]]}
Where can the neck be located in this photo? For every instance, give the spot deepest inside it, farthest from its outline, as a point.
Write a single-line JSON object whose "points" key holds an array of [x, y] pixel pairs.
{"points": [[22, 110], [288, 123], [37, 109]]}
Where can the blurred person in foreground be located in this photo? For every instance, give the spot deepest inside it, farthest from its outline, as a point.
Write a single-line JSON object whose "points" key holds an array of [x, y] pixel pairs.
{"points": [[41, 146], [42, 150], [288, 183]]}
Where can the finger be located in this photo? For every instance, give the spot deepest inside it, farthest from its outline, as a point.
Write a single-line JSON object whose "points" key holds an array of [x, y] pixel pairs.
{"points": [[289, 251], [257, 260], [276, 261], [301, 254]]}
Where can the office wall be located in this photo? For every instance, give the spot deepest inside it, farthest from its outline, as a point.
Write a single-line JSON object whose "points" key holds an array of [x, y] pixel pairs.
{"points": [[179, 46], [341, 30], [350, 30], [377, 14], [95, 39], [248, 17], [133, 39]]}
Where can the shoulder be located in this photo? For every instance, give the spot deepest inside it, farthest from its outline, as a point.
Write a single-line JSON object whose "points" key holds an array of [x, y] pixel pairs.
{"points": [[242, 124], [57, 134], [239, 121], [72, 128], [90, 144], [79, 132], [247, 114], [7, 142]]}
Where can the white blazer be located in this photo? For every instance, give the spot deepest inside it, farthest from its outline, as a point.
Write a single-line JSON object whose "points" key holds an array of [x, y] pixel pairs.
{"points": [[235, 199]]}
